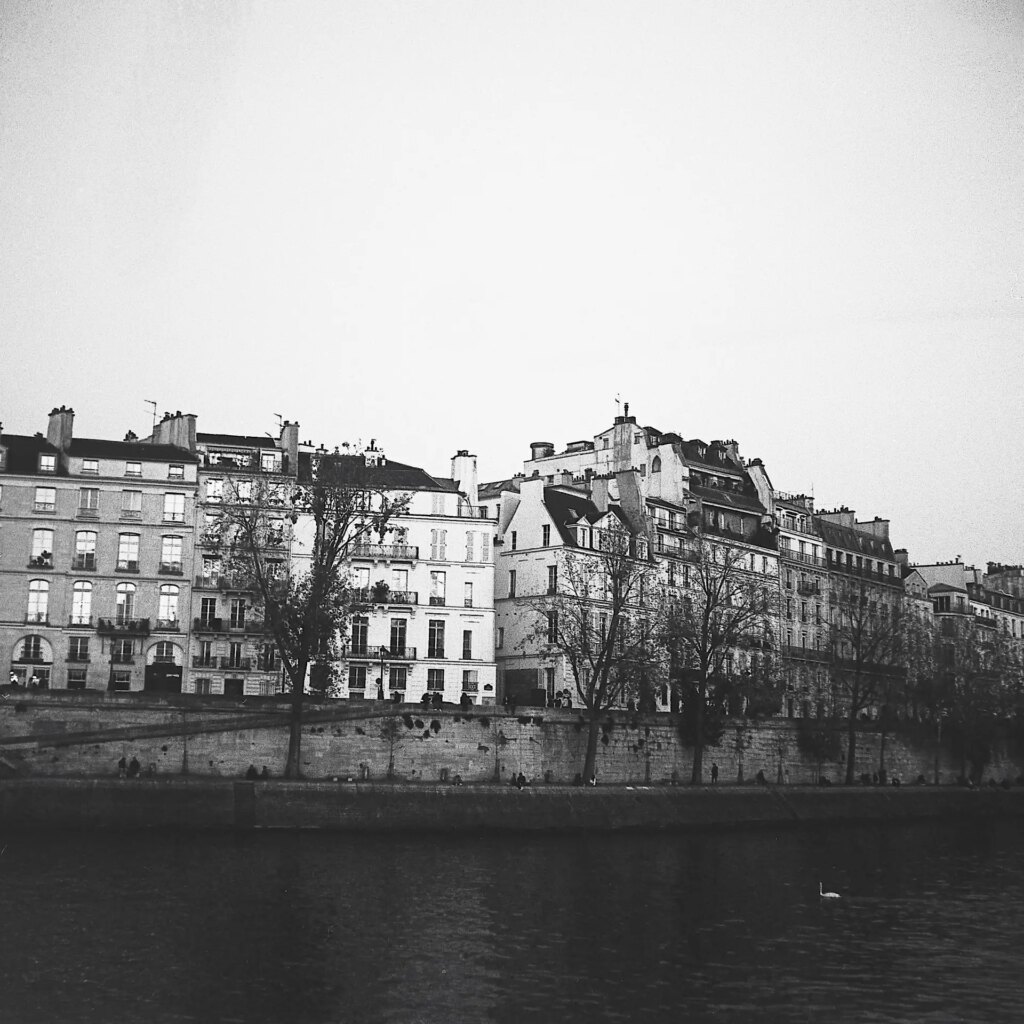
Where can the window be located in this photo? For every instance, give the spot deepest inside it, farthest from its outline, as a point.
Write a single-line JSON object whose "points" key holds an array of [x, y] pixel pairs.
{"points": [[122, 682], [270, 462], [549, 681], [205, 657], [47, 463], [170, 555], [361, 578], [133, 469], [91, 466], [357, 677], [435, 678], [131, 504], [38, 600], [470, 545], [399, 677], [174, 508], [545, 535], [467, 597], [89, 501], [360, 628], [400, 580], [512, 583], [46, 499], [125, 603], [467, 645], [501, 637], [76, 678], [437, 587], [435, 638], [485, 547], [470, 680], [81, 604], [243, 490], [85, 550], [163, 653], [399, 634], [552, 579], [552, 627], [128, 552], [234, 655], [237, 613], [514, 539], [214, 490], [122, 652], [167, 610], [204, 686], [438, 542], [438, 505], [42, 549], [175, 471], [78, 648]]}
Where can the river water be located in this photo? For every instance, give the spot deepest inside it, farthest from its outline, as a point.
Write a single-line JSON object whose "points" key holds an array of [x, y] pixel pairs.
{"points": [[152, 927]]}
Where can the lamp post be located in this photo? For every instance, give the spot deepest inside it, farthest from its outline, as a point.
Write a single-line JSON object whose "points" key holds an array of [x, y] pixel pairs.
{"points": [[380, 679]]}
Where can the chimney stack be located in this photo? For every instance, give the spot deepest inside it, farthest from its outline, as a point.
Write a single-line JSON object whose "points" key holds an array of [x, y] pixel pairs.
{"points": [[464, 474], [60, 428]]}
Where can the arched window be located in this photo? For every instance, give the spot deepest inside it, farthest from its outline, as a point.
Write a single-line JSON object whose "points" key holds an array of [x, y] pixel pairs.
{"points": [[42, 549], [81, 603], [38, 600], [656, 464], [167, 612], [164, 653], [125, 602]]}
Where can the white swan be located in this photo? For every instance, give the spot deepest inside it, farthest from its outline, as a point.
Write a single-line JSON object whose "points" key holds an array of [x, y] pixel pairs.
{"points": [[828, 895]]}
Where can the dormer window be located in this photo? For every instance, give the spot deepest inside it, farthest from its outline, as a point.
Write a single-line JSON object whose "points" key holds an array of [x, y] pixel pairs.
{"points": [[47, 463], [270, 462], [133, 469], [176, 471], [91, 466]]}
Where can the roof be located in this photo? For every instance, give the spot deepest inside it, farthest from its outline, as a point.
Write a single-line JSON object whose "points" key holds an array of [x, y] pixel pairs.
{"points": [[141, 450], [495, 488], [23, 453], [567, 508], [237, 440], [854, 540], [728, 499], [391, 476]]}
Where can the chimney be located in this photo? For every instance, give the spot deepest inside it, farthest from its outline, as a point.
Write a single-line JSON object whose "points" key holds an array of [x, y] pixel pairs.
{"points": [[541, 449], [178, 429], [902, 557], [59, 429], [290, 445], [464, 474]]}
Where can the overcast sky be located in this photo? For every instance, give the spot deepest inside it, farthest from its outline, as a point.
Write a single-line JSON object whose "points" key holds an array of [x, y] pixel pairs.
{"points": [[471, 225]]}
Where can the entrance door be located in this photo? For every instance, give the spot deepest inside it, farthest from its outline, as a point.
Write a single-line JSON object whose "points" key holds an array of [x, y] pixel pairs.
{"points": [[163, 678]]}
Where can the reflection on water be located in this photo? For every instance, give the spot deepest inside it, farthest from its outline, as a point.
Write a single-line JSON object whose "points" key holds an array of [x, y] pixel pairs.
{"points": [[318, 927]]}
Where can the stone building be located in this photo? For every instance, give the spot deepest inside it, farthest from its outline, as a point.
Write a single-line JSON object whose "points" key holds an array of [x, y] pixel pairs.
{"points": [[96, 539]]}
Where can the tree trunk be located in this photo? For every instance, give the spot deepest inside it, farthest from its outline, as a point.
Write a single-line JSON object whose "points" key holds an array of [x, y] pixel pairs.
{"points": [[293, 765], [590, 758], [882, 773], [851, 746], [697, 773]]}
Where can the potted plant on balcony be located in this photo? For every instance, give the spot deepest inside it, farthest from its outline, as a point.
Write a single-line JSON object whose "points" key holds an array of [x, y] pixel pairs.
{"points": [[380, 592]]}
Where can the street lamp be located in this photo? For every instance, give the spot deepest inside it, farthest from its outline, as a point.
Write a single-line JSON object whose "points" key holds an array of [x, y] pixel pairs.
{"points": [[380, 678]]}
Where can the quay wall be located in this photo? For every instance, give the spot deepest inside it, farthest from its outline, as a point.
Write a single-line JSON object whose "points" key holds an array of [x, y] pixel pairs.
{"points": [[84, 734], [205, 803]]}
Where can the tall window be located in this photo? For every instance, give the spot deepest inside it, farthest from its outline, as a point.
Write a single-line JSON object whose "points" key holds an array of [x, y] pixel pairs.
{"points": [[131, 504], [470, 545], [437, 587], [47, 463], [552, 627], [174, 508], [470, 680], [42, 549], [435, 678], [467, 645], [122, 652], [438, 504], [512, 583], [360, 630], [91, 466], [438, 545], [545, 535], [400, 580], [467, 596], [78, 648], [435, 638], [167, 610], [485, 547], [214, 490], [243, 490], [38, 600], [399, 633], [357, 677], [163, 653], [89, 501], [175, 471], [170, 554], [46, 499], [125, 602], [207, 610], [515, 539], [234, 655], [85, 549], [128, 552], [237, 612], [399, 677], [81, 603], [552, 579]]}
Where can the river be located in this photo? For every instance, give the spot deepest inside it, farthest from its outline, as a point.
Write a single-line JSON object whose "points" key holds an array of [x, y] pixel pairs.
{"points": [[317, 927]]}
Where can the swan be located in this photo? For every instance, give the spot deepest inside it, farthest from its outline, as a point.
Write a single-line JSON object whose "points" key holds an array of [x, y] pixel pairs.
{"points": [[828, 895]]}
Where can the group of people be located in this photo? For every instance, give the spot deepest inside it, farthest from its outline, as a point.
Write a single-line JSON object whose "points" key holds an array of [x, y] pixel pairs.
{"points": [[128, 769], [251, 773], [33, 682], [562, 699]]}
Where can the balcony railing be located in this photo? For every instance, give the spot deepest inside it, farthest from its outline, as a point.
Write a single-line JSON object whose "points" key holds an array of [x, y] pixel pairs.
{"points": [[374, 653], [808, 589], [204, 661], [127, 565], [88, 513], [812, 653], [31, 659], [169, 625], [80, 621], [77, 656], [388, 552], [170, 569], [470, 687], [44, 506], [208, 625], [239, 664], [122, 658], [802, 556], [37, 618], [268, 664], [41, 562], [371, 595], [437, 600], [83, 562], [131, 513], [210, 582], [120, 625]]}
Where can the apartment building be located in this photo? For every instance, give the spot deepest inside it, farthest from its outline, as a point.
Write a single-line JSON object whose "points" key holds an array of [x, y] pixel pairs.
{"points": [[95, 539]]}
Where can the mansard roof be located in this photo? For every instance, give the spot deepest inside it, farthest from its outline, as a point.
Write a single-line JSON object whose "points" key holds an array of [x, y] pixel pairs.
{"points": [[849, 539], [237, 440], [23, 453], [143, 451], [391, 476], [730, 499]]}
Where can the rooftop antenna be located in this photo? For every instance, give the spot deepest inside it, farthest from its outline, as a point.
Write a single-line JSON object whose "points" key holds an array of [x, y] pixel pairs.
{"points": [[618, 405], [149, 401], [280, 422]]}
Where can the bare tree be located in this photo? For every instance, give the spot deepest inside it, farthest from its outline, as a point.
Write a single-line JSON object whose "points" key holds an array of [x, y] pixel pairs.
{"points": [[602, 621], [289, 544], [867, 660], [725, 612]]}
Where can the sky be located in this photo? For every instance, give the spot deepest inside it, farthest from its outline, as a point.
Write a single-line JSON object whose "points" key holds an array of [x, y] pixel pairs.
{"points": [[447, 224]]}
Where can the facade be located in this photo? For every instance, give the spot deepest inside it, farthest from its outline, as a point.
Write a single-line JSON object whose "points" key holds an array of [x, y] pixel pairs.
{"points": [[96, 538]]}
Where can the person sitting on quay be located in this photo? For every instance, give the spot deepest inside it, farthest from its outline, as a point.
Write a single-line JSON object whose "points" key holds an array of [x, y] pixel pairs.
{"points": [[265, 774], [134, 767], [520, 780], [438, 699], [122, 768], [251, 773]]}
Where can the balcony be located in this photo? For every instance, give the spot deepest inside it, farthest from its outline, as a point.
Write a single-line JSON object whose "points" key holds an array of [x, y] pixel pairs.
{"points": [[167, 625], [37, 618], [170, 569], [122, 658], [88, 513], [210, 582], [268, 664], [437, 600], [86, 562], [204, 661], [238, 664], [43, 561], [808, 589], [371, 595], [364, 653], [210, 538], [121, 626], [387, 552], [808, 653], [30, 659], [78, 657], [469, 686], [208, 625], [45, 507], [803, 557], [80, 622], [131, 513], [127, 565]]}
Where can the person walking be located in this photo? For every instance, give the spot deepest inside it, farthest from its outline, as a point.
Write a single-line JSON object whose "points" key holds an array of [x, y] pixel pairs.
{"points": [[714, 773]]}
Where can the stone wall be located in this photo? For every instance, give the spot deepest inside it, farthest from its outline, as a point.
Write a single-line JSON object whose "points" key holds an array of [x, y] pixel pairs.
{"points": [[85, 734]]}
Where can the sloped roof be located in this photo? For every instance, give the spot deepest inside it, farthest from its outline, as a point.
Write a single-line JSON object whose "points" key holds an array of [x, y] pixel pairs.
{"points": [[23, 453], [495, 487], [729, 499], [143, 451], [237, 440], [567, 508], [391, 476], [854, 540]]}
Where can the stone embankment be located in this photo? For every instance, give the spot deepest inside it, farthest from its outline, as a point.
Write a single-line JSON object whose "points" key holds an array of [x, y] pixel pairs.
{"points": [[194, 803]]}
